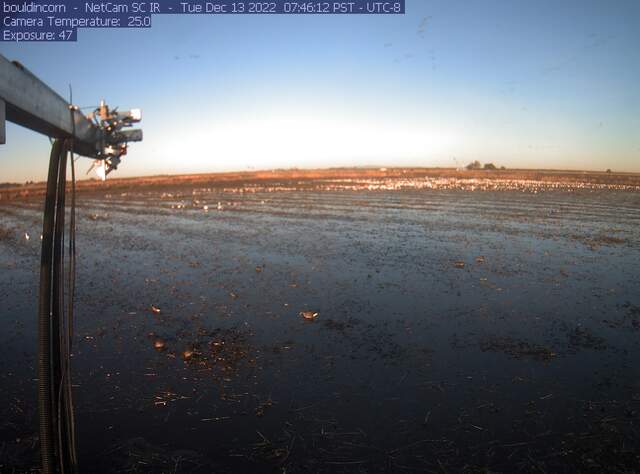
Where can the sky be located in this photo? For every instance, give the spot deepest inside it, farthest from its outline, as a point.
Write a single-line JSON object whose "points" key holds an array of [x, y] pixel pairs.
{"points": [[545, 84]]}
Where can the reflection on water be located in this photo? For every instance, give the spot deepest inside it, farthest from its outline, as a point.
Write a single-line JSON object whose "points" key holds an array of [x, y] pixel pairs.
{"points": [[348, 326]]}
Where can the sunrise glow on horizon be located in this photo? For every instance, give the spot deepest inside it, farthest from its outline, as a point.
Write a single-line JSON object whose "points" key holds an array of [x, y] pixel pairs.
{"points": [[549, 85]]}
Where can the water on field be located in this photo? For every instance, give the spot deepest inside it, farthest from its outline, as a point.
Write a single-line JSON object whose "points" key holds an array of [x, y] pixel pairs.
{"points": [[456, 330]]}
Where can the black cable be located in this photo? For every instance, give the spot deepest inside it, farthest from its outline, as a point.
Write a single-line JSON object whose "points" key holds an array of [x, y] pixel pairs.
{"points": [[45, 383], [69, 440], [60, 425], [55, 320], [58, 349]]}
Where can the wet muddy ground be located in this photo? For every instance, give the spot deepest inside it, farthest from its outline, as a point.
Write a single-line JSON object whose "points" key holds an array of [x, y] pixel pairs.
{"points": [[458, 330]]}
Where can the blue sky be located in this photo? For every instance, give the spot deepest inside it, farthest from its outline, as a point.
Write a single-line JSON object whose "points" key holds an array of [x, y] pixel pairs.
{"points": [[545, 84]]}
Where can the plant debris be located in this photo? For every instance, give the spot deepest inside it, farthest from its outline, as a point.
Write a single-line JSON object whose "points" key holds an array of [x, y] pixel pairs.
{"points": [[309, 315]]}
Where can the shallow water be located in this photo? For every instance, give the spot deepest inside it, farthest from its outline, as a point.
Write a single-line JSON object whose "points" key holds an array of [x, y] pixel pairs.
{"points": [[524, 358]]}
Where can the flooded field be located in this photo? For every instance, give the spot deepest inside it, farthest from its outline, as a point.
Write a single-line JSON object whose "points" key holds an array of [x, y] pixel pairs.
{"points": [[460, 328]]}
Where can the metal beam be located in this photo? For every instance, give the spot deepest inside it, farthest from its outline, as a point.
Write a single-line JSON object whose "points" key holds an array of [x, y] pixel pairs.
{"points": [[34, 105]]}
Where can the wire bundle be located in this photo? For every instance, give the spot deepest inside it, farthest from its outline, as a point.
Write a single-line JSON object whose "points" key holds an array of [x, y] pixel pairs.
{"points": [[55, 321]]}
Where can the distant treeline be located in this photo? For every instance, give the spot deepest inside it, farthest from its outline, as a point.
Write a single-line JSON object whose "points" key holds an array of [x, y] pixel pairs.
{"points": [[476, 165]]}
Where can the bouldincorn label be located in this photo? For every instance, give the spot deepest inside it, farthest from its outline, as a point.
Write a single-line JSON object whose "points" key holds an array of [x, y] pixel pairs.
{"points": [[60, 21]]}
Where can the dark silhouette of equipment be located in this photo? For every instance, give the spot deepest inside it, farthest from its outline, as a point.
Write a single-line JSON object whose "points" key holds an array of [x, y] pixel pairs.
{"points": [[103, 136]]}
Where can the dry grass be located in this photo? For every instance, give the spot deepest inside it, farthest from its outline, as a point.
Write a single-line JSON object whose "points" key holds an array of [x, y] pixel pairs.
{"points": [[214, 180]]}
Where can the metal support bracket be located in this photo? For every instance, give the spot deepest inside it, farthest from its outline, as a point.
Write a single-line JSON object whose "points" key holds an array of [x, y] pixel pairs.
{"points": [[34, 105], [29, 102]]}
